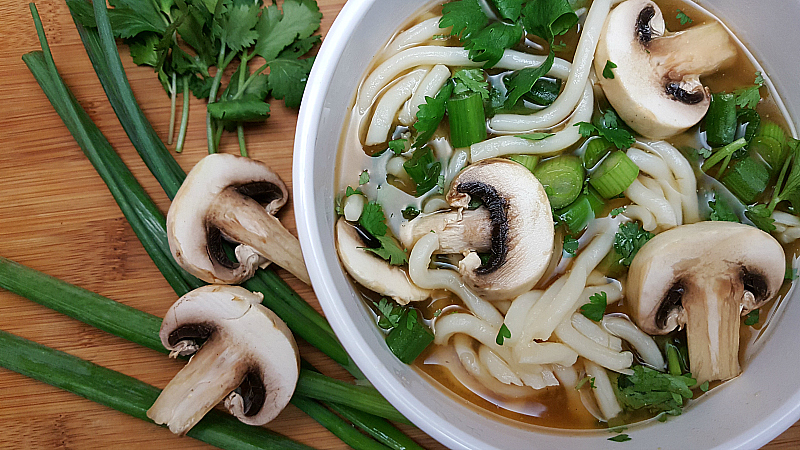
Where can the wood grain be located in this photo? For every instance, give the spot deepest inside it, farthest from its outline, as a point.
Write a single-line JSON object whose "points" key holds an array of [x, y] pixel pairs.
{"points": [[57, 216]]}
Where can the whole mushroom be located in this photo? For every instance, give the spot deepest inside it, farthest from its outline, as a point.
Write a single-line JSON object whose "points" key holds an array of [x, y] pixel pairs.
{"points": [[242, 354], [235, 198], [656, 86], [513, 226], [704, 276]]}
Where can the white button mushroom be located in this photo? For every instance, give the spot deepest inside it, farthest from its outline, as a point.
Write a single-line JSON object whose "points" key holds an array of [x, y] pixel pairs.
{"points": [[656, 86], [704, 276], [247, 356], [230, 197]]}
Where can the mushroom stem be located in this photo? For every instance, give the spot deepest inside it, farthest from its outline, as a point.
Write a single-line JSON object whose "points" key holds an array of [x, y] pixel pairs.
{"points": [[712, 329], [247, 223], [681, 54], [204, 382]]}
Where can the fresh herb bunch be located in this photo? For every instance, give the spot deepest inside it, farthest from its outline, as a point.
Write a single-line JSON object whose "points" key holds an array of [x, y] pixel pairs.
{"points": [[184, 39]]}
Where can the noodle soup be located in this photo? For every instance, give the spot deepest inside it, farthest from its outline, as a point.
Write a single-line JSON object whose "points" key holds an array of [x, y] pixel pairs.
{"points": [[564, 347]]}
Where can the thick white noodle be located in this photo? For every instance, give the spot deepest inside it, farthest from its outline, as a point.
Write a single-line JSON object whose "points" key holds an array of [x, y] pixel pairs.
{"points": [[546, 314], [497, 367], [591, 350], [421, 275], [544, 353], [389, 105], [657, 168], [462, 344], [645, 346], [449, 56], [684, 176], [575, 84], [419, 33], [429, 86], [654, 201], [507, 145], [567, 375], [515, 316], [594, 332], [642, 214], [450, 324], [787, 227], [603, 392]]}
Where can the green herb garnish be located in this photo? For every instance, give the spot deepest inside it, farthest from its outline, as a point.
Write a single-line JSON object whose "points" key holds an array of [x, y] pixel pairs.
{"points": [[398, 146], [570, 245], [608, 71], [430, 114], [610, 127], [721, 211], [374, 221], [423, 169], [596, 308], [751, 318], [629, 239], [503, 334], [654, 391], [620, 438], [683, 18], [363, 178], [390, 313], [750, 96]]}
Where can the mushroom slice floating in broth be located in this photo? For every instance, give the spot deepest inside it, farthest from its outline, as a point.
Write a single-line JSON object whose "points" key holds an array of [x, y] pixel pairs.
{"points": [[234, 198], [242, 354], [704, 276], [656, 86]]}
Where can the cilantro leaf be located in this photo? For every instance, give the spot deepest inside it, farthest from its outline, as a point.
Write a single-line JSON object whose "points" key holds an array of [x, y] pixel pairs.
{"points": [[750, 96], [131, 17], [503, 334], [398, 146], [488, 44], [609, 126], [465, 16], [617, 211], [423, 170], [350, 191], [364, 177], [683, 18], [751, 318], [608, 72], [570, 245], [470, 80], [654, 391], [509, 9], [721, 211], [521, 82], [389, 313], [143, 48], [235, 24], [373, 219], [390, 250], [410, 212], [430, 114], [277, 30], [629, 239], [761, 217], [620, 438], [534, 136], [596, 308], [548, 18], [287, 79]]}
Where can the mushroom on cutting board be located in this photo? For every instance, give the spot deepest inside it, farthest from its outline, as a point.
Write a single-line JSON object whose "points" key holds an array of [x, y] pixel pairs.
{"points": [[514, 226], [235, 198], [704, 276], [371, 271], [656, 87], [242, 354]]}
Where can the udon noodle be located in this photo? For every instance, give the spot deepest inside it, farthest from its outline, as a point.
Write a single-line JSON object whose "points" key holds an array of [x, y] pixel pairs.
{"points": [[536, 347]]}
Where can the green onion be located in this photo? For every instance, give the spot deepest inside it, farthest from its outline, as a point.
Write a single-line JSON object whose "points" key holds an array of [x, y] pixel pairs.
{"points": [[773, 152], [577, 215], [410, 338], [126, 394], [721, 119], [544, 91], [722, 154], [596, 149], [377, 428], [614, 174], [562, 178], [337, 425], [772, 130], [467, 119], [673, 361], [751, 121], [529, 161], [747, 179]]}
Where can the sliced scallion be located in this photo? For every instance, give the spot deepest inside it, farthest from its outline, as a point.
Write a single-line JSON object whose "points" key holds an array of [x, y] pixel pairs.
{"points": [[562, 178], [720, 119], [467, 119], [577, 215], [529, 161], [747, 179], [722, 153], [614, 174], [773, 152], [596, 149]]}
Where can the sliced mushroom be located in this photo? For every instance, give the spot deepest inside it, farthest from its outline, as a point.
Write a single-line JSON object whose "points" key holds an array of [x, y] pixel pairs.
{"points": [[231, 197], [704, 276], [514, 227], [247, 356], [656, 87], [371, 271]]}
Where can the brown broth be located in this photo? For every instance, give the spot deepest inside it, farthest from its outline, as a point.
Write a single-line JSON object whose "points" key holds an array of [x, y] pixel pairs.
{"points": [[556, 406]]}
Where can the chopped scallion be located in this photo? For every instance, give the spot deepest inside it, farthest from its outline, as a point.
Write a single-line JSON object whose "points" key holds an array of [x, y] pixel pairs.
{"points": [[614, 174]]}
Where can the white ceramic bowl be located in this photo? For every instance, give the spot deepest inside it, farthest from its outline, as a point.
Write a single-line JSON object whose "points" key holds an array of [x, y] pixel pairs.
{"points": [[745, 413]]}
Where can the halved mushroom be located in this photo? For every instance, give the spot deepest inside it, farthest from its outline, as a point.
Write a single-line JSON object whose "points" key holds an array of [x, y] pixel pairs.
{"points": [[514, 227], [704, 276], [231, 197], [373, 272], [247, 356], [656, 87]]}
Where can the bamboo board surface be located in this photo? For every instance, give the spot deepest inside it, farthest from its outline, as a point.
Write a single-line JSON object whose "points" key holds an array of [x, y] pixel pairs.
{"points": [[57, 216]]}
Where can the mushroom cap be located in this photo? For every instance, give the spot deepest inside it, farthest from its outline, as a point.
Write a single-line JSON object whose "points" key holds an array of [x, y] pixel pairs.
{"points": [[195, 242], [656, 86], [701, 252], [522, 227], [235, 315], [373, 272]]}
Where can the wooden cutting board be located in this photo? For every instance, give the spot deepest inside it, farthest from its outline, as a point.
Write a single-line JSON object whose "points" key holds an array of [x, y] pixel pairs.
{"points": [[57, 216]]}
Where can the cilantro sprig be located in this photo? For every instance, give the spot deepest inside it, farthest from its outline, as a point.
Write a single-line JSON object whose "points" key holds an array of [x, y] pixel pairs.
{"points": [[654, 391], [374, 222], [629, 239], [609, 126], [596, 308]]}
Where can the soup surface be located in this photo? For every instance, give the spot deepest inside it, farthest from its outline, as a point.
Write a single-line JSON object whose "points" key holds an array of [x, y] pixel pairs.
{"points": [[565, 348]]}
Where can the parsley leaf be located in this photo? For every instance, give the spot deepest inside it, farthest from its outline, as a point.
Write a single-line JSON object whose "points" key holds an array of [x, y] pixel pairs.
{"points": [[509, 9], [608, 71], [503, 334], [629, 239], [596, 308], [364, 177], [683, 18], [423, 170], [750, 96], [751, 318], [654, 391], [470, 80], [548, 18], [570, 245], [521, 82], [610, 127], [761, 217], [465, 16], [620, 438], [373, 219], [389, 312], [617, 211], [430, 114], [390, 250], [721, 211], [398, 146], [488, 44]]}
